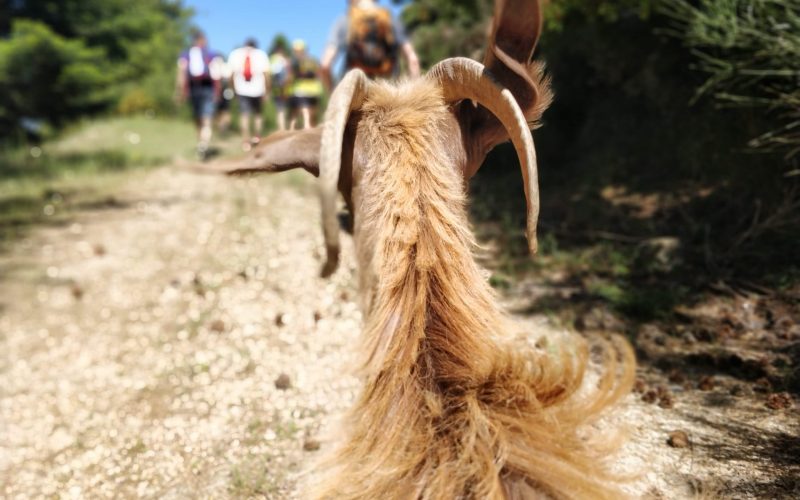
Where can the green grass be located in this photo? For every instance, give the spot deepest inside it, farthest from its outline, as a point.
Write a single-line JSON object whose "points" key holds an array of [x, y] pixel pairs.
{"points": [[47, 183], [249, 479], [159, 139]]}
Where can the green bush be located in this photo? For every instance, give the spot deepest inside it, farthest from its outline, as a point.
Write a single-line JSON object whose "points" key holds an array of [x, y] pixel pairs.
{"points": [[135, 101]]}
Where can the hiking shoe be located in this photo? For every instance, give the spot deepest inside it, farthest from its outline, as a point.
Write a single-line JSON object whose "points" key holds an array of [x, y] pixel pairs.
{"points": [[202, 152]]}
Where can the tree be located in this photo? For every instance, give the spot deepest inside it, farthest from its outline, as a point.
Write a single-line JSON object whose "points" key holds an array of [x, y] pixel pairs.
{"points": [[46, 76], [279, 41], [601, 10], [129, 48], [447, 28]]}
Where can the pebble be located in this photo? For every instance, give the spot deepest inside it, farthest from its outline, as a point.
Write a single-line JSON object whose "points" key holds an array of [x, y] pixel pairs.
{"points": [[779, 401], [311, 445], [650, 396], [706, 383], [679, 439], [283, 382]]}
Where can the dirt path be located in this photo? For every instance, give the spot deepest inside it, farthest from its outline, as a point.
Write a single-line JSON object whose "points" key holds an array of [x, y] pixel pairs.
{"points": [[179, 344]]}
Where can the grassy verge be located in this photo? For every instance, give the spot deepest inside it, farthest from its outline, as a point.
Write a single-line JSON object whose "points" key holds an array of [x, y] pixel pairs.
{"points": [[47, 183]]}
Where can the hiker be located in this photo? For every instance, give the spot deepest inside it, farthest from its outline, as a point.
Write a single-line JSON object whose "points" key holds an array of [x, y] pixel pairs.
{"points": [[306, 88], [279, 65], [370, 39], [198, 80], [251, 79]]}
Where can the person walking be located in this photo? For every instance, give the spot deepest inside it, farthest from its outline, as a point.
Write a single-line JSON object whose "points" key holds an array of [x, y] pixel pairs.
{"points": [[251, 79], [279, 64], [306, 88], [198, 80], [372, 40]]}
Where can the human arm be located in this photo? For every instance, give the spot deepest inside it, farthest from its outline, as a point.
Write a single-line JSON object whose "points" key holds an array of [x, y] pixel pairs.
{"points": [[181, 81], [233, 68], [337, 41], [406, 49], [266, 65], [326, 65], [412, 61], [216, 71]]}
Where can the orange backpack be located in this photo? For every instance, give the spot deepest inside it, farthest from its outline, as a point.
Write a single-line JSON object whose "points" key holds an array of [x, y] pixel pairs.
{"points": [[371, 45]]}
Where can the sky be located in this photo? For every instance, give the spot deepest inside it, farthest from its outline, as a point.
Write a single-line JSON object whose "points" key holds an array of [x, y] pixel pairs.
{"points": [[229, 22]]}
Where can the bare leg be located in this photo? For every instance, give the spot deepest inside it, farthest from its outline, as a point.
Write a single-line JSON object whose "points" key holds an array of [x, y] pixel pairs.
{"points": [[223, 121], [258, 126], [281, 118], [244, 125], [206, 131], [306, 112]]}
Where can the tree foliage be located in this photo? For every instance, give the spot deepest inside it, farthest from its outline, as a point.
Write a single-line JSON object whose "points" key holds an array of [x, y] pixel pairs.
{"points": [[446, 28], [750, 50], [624, 121], [279, 41], [60, 59], [596, 10], [47, 76]]}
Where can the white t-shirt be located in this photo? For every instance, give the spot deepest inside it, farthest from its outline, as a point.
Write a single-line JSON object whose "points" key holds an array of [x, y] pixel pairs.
{"points": [[259, 64]]}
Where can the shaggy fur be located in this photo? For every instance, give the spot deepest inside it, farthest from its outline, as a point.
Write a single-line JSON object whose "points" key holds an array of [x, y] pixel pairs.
{"points": [[451, 408]]}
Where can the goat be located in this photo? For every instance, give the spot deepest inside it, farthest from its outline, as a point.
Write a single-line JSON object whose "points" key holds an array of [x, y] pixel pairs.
{"points": [[450, 408]]}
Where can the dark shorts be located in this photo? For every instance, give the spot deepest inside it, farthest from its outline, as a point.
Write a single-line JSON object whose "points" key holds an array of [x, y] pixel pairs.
{"points": [[280, 102], [202, 99], [297, 102], [224, 103], [250, 105]]}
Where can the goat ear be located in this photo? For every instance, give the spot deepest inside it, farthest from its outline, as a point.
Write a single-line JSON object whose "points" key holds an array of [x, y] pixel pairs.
{"points": [[515, 31], [281, 151], [516, 27]]}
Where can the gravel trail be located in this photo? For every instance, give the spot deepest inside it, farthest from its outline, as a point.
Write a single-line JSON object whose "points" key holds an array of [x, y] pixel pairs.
{"points": [[178, 343]]}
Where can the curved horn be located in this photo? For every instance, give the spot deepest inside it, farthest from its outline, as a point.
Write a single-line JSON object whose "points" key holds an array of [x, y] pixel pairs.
{"points": [[348, 96], [461, 78]]}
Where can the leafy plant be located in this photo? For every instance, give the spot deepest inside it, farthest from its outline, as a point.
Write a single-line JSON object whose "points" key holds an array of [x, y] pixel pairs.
{"points": [[750, 52]]}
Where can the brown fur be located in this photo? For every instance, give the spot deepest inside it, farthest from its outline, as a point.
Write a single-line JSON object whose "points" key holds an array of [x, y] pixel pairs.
{"points": [[451, 408]]}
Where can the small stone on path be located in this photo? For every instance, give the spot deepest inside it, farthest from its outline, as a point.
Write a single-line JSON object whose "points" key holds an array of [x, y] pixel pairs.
{"points": [[283, 382], [779, 401], [706, 383], [679, 439], [311, 445]]}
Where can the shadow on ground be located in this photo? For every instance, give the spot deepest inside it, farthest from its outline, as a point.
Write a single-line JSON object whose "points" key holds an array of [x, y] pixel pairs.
{"points": [[654, 220]]}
